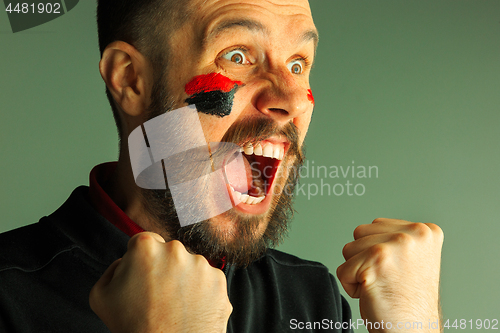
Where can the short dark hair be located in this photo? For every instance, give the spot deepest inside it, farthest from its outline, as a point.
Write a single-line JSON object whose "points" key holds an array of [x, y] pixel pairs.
{"points": [[145, 24]]}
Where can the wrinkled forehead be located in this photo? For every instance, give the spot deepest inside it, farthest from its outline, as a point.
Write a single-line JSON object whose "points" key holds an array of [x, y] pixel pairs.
{"points": [[290, 18], [278, 6]]}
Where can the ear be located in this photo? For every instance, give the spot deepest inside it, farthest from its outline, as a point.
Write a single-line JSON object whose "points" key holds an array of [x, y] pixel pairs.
{"points": [[128, 76]]}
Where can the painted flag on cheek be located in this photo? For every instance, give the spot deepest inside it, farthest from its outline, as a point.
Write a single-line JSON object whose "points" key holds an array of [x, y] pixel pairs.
{"points": [[212, 93]]}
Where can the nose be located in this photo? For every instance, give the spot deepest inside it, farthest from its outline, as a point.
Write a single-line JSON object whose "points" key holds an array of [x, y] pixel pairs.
{"points": [[282, 98]]}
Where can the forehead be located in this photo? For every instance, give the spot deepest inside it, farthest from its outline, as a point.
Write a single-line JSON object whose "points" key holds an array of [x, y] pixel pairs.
{"points": [[280, 7], [289, 17]]}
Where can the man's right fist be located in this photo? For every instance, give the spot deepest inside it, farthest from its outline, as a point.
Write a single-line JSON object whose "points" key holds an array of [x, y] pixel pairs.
{"points": [[160, 287]]}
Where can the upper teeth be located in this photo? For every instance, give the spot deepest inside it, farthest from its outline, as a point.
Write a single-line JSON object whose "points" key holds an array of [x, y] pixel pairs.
{"points": [[272, 150]]}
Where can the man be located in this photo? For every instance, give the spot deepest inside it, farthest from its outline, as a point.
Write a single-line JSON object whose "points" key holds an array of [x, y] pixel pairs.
{"points": [[245, 66]]}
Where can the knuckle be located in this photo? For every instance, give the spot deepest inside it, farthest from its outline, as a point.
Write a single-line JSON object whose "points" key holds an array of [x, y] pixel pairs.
{"points": [[176, 247], [201, 264], [379, 220], [436, 230], [201, 261], [176, 251], [143, 247], [142, 239], [226, 308], [402, 238], [420, 229], [220, 278], [147, 245], [380, 252], [132, 242], [229, 307]]}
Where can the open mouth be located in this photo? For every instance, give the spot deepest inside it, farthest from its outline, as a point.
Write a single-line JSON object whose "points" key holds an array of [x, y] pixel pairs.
{"points": [[262, 160]]}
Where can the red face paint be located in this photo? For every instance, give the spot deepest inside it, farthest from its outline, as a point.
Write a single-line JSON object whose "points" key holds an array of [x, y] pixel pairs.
{"points": [[310, 96], [212, 93], [210, 82]]}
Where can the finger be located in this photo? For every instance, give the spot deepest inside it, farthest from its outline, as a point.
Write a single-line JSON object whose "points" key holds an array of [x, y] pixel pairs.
{"points": [[347, 277], [391, 221], [357, 272], [361, 244], [98, 288], [379, 226], [106, 278], [109, 273], [416, 229]]}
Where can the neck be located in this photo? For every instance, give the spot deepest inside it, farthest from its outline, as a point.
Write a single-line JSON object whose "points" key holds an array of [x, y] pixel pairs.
{"points": [[122, 189]]}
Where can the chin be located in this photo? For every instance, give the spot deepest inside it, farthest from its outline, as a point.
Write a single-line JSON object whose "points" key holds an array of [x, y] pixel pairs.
{"points": [[239, 238], [227, 227]]}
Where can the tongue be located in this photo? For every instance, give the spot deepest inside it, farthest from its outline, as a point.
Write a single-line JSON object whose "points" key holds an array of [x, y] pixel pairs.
{"points": [[239, 179]]}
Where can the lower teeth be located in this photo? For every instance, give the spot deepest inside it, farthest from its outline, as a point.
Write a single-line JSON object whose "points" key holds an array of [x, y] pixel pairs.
{"points": [[247, 199]]}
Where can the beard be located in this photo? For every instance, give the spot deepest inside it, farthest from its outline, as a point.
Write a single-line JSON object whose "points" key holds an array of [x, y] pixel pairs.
{"points": [[249, 236]]}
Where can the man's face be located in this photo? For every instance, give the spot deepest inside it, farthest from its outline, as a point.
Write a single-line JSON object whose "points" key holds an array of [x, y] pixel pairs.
{"points": [[264, 50]]}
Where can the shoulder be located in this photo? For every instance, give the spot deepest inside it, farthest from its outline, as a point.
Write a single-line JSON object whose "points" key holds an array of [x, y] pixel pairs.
{"points": [[286, 271], [308, 281], [30, 247], [288, 260], [73, 226], [48, 270], [294, 272], [287, 287]]}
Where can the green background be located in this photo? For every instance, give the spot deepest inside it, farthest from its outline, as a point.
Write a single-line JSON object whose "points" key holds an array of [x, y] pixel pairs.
{"points": [[411, 87]]}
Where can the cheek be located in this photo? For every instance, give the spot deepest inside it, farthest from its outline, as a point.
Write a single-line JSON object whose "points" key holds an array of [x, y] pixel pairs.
{"points": [[215, 128], [212, 94], [302, 124]]}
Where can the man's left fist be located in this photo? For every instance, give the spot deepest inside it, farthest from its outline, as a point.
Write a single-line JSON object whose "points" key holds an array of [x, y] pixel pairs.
{"points": [[393, 267]]}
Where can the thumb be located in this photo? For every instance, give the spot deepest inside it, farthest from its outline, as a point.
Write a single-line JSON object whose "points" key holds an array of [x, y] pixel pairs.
{"points": [[109, 273], [98, 289]]}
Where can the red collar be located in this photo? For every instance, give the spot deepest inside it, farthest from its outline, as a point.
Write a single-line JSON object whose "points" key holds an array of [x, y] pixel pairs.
{"points": [[108, 208], [103, 203]]}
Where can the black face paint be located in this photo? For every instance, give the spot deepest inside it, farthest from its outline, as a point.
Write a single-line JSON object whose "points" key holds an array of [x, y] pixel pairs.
{"points": [[217, 103], [212, 93]]}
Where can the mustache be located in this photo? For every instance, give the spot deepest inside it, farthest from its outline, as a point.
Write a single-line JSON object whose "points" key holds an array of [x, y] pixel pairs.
{"points": [[220, 154]]}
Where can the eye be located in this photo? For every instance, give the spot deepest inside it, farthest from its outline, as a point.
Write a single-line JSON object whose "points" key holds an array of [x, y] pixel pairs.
{"points": [[295, 67], [236, 56]]}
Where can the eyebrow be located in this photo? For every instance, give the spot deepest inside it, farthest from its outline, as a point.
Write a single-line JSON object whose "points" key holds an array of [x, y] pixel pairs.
{"points": [[310, 35], [251, 25], [255, 26]]}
